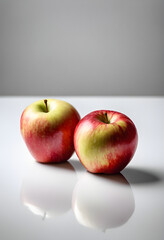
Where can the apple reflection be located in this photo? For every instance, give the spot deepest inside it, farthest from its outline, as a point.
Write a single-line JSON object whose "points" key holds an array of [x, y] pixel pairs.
{"points": [[47, 189], [102, 201]]}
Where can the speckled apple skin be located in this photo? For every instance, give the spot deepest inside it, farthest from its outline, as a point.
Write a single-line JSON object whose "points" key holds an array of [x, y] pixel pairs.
{"points": [[49, 135], [105, 147]]}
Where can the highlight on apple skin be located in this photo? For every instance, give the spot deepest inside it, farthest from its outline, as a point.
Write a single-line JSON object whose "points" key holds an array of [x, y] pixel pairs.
{"points": [[105, 141], [47, 127]]}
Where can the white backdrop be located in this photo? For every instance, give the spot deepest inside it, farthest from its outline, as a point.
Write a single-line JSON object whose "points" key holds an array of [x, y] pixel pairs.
{"points": [[81, 47]]}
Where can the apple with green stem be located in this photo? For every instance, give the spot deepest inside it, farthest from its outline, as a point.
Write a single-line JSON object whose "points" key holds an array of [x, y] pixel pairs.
{"points": [[47, 127], [105, 141]]}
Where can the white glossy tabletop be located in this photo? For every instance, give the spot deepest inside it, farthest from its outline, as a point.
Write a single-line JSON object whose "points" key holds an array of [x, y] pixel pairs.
{"points": [[64, 201]]}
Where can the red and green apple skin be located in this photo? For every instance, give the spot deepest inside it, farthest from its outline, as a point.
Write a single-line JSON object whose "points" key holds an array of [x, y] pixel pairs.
{"points": [[105, 141], [47, 127]]}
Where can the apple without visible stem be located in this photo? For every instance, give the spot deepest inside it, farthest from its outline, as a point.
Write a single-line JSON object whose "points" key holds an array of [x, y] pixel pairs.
{"points": [[47, 127], [105, 141]]}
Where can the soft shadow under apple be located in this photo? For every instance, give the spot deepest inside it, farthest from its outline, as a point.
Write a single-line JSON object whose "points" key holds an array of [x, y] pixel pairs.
{"points": [[136, 175]]}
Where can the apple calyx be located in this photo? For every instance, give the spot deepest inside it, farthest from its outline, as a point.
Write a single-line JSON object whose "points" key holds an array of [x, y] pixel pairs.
{"points": [[45, 101]]}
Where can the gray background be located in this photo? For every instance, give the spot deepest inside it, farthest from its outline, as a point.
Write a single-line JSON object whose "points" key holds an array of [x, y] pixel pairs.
{"points": [[81, 47]]}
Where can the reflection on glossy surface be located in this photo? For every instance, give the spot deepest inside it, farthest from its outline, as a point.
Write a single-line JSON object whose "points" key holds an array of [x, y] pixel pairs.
{"points": [[102, 201], [47, 189]]}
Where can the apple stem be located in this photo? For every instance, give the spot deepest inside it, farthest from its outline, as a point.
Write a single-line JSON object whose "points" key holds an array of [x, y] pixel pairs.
{"points": [[106, 118], [45, 101]]}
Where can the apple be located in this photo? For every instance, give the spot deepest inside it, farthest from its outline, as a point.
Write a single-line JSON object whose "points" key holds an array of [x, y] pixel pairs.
{"points": [[45, 192], [47, 127], [105, 141], [103, 201]]}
